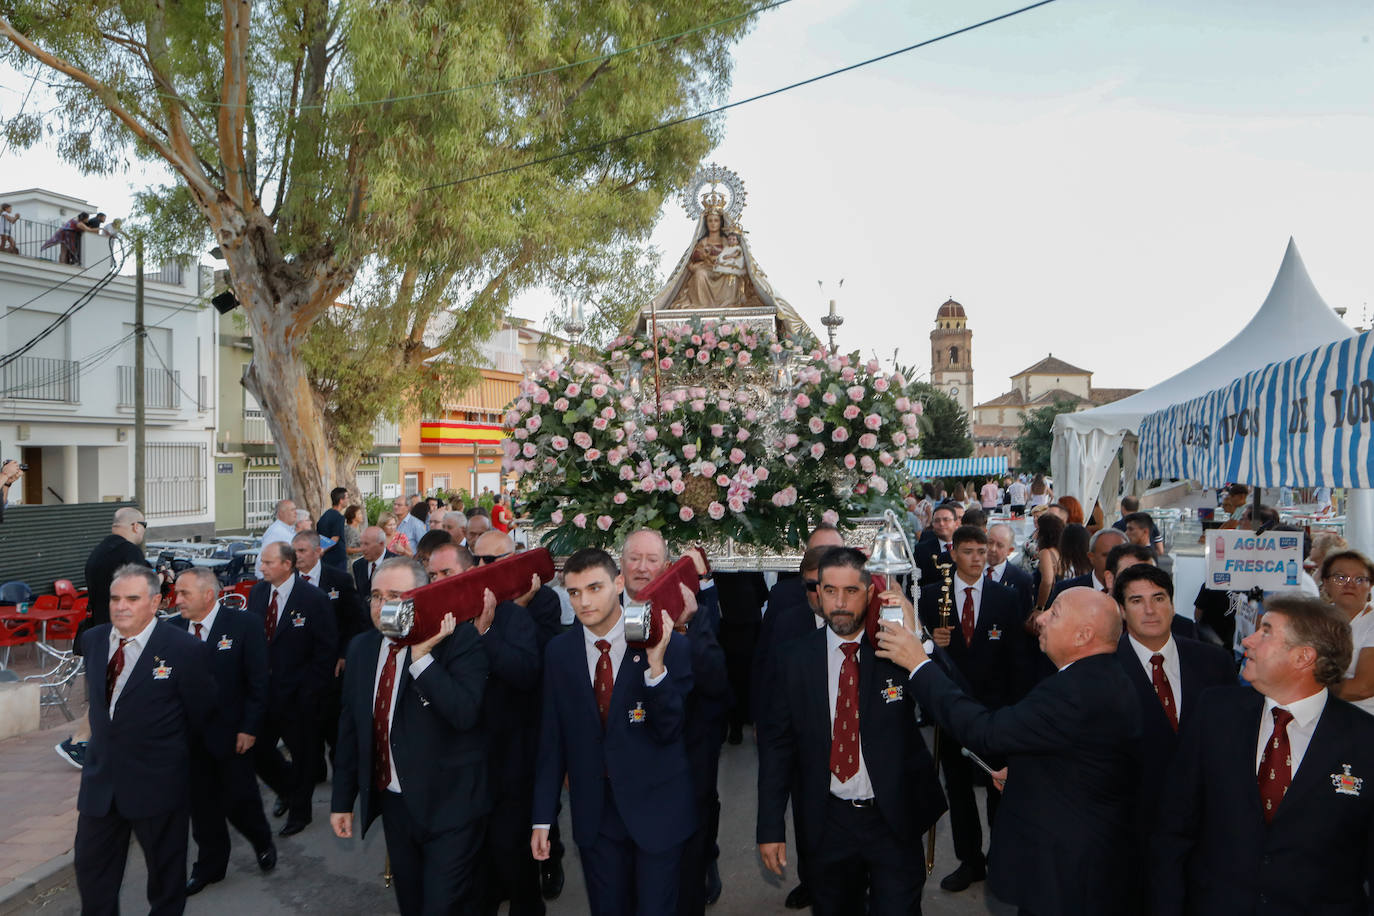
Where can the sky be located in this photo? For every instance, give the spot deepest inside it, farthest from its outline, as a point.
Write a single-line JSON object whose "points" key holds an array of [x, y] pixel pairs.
{"points": [[1111, 183]]}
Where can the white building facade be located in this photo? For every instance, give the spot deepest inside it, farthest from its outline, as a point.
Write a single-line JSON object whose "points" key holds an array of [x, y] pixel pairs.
{"points": [[67, 400]]}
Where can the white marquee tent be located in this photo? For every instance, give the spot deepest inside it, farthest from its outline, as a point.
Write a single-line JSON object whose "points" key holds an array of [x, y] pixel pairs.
{"points": [[1292, 320]]}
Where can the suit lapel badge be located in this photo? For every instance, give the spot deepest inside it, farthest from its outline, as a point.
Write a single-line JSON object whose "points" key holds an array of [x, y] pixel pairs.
{"points": [[994, 633], [164, 671], [892, 692], [224, 644], [298, 619], [1346, 784], [636, 659], [333, 594], [638, 714]]}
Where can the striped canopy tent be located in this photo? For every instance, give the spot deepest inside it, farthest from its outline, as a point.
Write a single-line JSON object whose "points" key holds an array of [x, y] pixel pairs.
{"points": [[956, 467]]}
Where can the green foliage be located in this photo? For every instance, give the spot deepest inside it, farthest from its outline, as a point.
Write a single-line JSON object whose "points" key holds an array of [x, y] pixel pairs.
{"points": [[376, 505], [1037, 436], [945, 430]]}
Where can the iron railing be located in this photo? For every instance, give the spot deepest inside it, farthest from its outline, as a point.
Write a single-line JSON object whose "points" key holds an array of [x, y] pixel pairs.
{"points": [[255, 431], [175, 478], [161, 389], [37, 378]]}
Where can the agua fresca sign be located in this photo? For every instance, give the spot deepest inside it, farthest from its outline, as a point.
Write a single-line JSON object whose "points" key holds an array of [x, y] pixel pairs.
{"points": [[1303, 422], [1240, 560]]}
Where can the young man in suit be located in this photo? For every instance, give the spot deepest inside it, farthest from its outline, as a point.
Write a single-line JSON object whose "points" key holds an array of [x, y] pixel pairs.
{"points": [[841, 722], [1268, 807], [983, 634], [1061, 842], [1001, 543], [150, 692], [612, 722], [373, 540], [302, 652], [412, 750], [1168, 673], [223, 785]]}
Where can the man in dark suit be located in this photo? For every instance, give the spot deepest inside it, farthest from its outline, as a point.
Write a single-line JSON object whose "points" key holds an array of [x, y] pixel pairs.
{"points": [[223, 785], [1062, 838], [935, 552], [1001, 543], [373, 542], [150, 692], [1099, 546], [612, 722], [1268, 807], [643, 558], [331, 525], [983, 634], [302, 651], [843, 725], [122, 546], [1124, 556], [510, 718], [412, 750]]}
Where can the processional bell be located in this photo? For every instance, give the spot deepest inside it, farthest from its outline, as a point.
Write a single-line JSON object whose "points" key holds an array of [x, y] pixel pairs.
{"points": [[892, 556]]}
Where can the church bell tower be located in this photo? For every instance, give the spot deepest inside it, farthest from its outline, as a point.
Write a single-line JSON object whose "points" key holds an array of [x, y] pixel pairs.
{"points": [[951, 355]]}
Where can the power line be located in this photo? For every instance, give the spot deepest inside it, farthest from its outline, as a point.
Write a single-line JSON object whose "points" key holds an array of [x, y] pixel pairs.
{"points": [[593, 147], [75, 307]]}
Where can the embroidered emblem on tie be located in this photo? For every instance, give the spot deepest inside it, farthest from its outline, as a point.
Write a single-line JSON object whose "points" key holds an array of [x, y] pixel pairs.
{"points": [[297, 620], [224, 644], [638, 714], [1346, 784], [891, 693], [162, 671]]}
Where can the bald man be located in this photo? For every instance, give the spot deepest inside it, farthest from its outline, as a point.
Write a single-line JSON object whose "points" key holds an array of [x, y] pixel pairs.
{"points": [[1061, 841]]}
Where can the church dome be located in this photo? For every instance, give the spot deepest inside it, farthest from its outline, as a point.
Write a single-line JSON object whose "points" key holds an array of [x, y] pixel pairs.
{"points": [[951, 309]]}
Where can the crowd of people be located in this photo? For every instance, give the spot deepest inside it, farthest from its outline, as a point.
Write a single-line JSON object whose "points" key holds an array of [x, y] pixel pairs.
{"points": [[1130, 762]]}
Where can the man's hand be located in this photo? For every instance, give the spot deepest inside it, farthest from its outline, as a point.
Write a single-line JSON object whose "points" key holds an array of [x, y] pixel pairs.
{"points": [[243, 743], [488, 616], [539, 844], [342, 824], [689, 608], [10, 472], [339, 668], [446, 627], [900, 646], [999, 779], [698, 559], [525, 599], [774, 857], [941, 636], [896, 596], [659, 649]]}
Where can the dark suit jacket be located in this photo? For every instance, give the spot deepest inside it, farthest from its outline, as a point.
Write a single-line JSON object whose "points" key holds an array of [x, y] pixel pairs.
{"points": [[139, 762], [789, 616], [795, 737], [351, 615], [1021, 582], [547, 613], [928, 554], [1214, 854], [437, 743], [510, 705], [363, 582], [1061, 840], [238, 661], [741, 596], [994, 665], [646, 759], [303, 649], [110, 554], [708, 705]]}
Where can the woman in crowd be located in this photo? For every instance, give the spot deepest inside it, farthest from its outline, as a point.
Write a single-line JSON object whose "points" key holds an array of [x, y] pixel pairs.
{"points": [[1049, 565], [960, 495], [501, 516], [354, 516], [990, 495], [1323, 545], [1074, 509], [1040, 492], [395, 541], [1346, 577], [1074, 559]]}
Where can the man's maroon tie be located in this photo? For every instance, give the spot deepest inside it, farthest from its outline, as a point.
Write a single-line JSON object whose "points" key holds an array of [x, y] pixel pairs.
{"points": [[966, 617], [1163, 690], [381, 720], [272, 616], [306, 578], [844, 736], [1276, 766], [604, 682], [199, 630], [113, 669]]}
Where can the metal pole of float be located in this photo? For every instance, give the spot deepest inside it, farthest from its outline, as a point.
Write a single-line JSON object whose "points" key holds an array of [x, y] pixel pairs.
{"points": [[658, 386], [140, 332]]}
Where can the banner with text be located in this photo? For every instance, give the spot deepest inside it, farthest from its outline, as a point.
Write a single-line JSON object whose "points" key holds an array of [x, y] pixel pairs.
{"points": [[1302, 422], [1239, 560]]}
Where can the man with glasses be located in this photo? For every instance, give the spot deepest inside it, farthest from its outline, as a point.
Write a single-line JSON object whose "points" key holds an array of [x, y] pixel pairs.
{"points": [[122, 546]]}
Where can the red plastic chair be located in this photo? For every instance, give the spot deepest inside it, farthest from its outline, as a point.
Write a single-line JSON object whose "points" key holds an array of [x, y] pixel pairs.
{"points": [[46, 603], [65, 591], [64, 628], [16, 633], [82, 604], [244, 587]]}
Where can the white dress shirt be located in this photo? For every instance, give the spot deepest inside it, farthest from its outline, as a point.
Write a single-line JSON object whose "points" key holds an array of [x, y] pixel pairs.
{"points": [[1306, 713], [206, 623], [995, 573], [616, 637], [277, 531], [1362, 631], [960, 587], [859, 785], [132, 650], [314, 574], [1172, 670], [416, 669], [283, 592]]}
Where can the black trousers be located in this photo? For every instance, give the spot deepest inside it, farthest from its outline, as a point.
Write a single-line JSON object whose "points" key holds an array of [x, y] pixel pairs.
{"points": [[965, 827], [102, 849], [224, 792], [623, 879], [859, 851], [293, 780], [698, 852], [327, 727], [738, 643], [508, 869], [433, 873]]}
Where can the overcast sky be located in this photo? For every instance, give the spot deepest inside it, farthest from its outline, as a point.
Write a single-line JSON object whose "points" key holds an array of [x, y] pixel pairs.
{"points": [[1113, 183]]}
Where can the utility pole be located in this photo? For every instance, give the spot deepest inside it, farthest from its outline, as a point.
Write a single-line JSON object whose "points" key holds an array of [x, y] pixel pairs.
{"points": [[139, 332]]}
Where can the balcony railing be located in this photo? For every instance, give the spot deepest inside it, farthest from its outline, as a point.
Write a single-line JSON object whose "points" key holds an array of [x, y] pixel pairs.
{"points": [[39, 379], [385, 433], [161, 389], [255, 431]]}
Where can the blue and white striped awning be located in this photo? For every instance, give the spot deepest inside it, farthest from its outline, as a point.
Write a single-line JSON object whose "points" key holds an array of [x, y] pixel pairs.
{"points": [[956, 467], [1301, 422]]}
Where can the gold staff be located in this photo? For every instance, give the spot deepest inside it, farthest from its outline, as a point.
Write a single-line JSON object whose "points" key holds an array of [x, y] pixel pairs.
{"points": [[945, 570]]}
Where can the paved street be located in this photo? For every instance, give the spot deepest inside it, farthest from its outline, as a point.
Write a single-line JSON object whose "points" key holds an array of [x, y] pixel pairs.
{"points": [[320, 874]]}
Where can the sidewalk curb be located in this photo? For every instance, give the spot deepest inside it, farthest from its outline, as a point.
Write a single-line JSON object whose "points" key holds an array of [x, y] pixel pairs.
{"points": [[37, 881]]}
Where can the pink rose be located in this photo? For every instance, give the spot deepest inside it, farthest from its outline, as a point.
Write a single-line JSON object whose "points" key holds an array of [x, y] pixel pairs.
{"points": [[885, 459], [686, 513], [762, 473], [703, 356], [677, 486], [619, 498], [828, 398], [902, 404], [580, 520], [668, 404], [788, 412], [582, 439], [697, 405], [707, 469], [627, 472], [521, 433], [648, 485], [717, 429], [599, 391], [855, 392], [736, 504], [722, 480], [604, 522], [592, 454], [560, 405], [803, 401], [675, 429], [557, 517], [541, 395], [741, 435], [608, 413], [599, 423], [849, 462], [899, 438], [830, 517], [572, 391], [530, 450], [533, 424], [751, 415], [868, 441], [880, 383], [839, 434], [715, 510], [627, 403], [817, 450], [736, 456], [689, 451], [650, 434], [791, 439], [878, 483], [745, 358], [873, 421], [850, 411], [847, 374], [559, 443], [908, 420], [789, 459], [866, 465], [816, 425]]}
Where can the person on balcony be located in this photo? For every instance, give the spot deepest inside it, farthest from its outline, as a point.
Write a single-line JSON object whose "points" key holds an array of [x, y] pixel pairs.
{"points": [[7, 220]]}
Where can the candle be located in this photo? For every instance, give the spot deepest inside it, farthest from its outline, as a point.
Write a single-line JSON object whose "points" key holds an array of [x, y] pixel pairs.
{"points": [[832, 307]]}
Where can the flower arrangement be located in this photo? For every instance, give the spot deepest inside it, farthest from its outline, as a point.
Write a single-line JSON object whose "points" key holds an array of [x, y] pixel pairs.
{"points": [[722, 451]]}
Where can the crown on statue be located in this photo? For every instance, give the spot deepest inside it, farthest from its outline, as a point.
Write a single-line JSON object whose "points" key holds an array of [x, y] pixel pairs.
{"points": [[714, 200]]}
